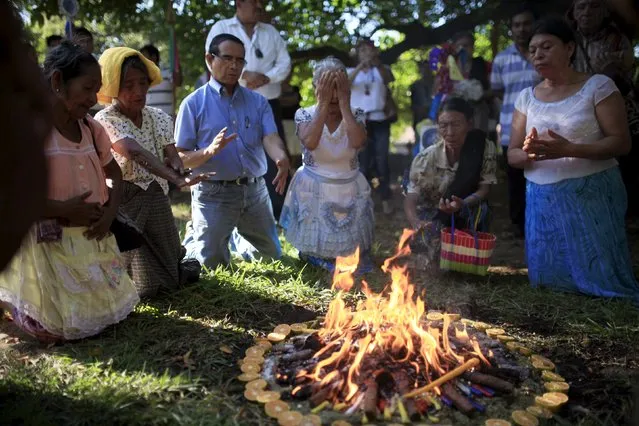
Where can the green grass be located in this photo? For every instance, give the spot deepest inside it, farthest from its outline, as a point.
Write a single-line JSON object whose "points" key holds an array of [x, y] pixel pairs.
{"points": [[165, 363]]}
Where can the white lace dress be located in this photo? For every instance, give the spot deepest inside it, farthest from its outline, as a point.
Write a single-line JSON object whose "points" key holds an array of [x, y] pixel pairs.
{"points": [[328, 211]]}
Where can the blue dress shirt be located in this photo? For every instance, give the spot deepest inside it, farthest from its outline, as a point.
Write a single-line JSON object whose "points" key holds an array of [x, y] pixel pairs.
{"points": [[208, 110]]}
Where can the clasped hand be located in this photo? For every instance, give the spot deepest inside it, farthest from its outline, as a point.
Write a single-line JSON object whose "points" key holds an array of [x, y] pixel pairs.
{"points": [[451, 206], [553, 147], [333, 83]]}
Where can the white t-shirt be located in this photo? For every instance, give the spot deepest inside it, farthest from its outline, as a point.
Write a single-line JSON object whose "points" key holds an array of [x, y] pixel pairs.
{"points": [[573, 118], [161, 96], [368, 93]]}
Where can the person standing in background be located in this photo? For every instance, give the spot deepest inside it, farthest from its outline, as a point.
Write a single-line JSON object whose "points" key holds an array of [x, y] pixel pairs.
{"points": [[162, 96], [83, 38], [53, 41], [267, 65], [421, 93], [369, 86], [513, 72]]}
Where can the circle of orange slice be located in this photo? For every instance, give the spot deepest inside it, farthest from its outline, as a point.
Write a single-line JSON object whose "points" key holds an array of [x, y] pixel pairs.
{"points": [[549, 376], [259, 384], [551, 400], [497, 422], [275, 408], [267, 396], [481, 326], [284, 329], [494, 332], [251, 394], [513, 346], [504, 338], [249, 367], [524, 418], [434, 316], [525, 351], [298, 328], [290, 418], [562, 387], [543, 365], [257, 351], [276, 337], [540, 412], [453, 317], [253, 360], [264, 344], [311, 420], [248, 377]]}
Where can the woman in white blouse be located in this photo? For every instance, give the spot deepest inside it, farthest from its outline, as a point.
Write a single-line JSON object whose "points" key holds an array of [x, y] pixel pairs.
{"points": [[566, 134], [328, 211]]}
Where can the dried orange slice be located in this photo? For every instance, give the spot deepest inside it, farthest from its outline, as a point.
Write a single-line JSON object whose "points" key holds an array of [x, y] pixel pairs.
{"points": [[311, 420], [434, 316], [536, 357], [284, 329], [453, 317], [340, 423], [264, 344], [251, 394], [543, 365], [268, 396], [551, 400], [290, 418], [275, 408], [276, 337], [298, 328], [481, 326], [540, 412], [504, 338], [494, 332], [259, 384], [253, 360], [562, 387], [549, 376], [513, 346], [248, 377], [525, 351], [249, 367], [255, 351], [497, 422], [524, 418]]}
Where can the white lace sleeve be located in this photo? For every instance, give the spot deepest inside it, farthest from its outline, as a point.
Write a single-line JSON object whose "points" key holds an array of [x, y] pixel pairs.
{"points": [[604, 87], [521, 104], [302, 115]]}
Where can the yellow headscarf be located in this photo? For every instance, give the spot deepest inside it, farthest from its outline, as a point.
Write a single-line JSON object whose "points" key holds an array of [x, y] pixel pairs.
{"points": [[111, 64]]}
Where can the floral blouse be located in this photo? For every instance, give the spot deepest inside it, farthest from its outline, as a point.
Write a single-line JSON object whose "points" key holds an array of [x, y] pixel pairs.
{"points": [[155, 134], [430, 173]]}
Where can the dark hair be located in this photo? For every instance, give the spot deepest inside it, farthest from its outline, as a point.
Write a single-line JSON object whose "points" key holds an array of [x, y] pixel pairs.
{"points": [[522, 8], [464, 34], [457, 104], [214, 47], [151, 50], [82, 31], [557, 27], [70, 60], [53, 38], [135, 62], [364, 42]]}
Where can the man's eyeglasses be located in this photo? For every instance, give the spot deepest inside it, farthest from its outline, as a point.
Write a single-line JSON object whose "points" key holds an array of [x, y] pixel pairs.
{"points": [[240, 62]]}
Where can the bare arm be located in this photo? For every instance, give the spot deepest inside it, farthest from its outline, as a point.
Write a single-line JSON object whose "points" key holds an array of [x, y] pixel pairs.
{"points": [[355, 131], [516, 156], [131, 150], [311, 132], [356, 71], [195, 159], [410, 209], [611, 115], [478, 196], [113, 172], [274, 147]]}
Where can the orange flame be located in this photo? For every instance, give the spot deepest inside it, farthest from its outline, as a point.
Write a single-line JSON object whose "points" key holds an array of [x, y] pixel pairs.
{"points": [[383, 328]]}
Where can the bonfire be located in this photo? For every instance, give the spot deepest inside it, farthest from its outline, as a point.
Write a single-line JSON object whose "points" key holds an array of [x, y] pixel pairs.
{"points": [[387, 358]]}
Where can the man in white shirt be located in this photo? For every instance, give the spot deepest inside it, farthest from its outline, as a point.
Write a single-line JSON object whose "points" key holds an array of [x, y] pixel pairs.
{"points": [[162, 96], [267, 65]]}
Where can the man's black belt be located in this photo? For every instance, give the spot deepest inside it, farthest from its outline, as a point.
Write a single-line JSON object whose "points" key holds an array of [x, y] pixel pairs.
{"points": [[238, 181]]}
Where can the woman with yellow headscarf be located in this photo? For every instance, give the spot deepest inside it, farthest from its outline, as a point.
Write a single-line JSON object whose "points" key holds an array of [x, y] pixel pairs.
{"points": [[143, 145]]}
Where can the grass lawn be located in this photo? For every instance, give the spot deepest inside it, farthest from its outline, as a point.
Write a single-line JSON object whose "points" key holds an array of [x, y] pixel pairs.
{"points": [[169, 362]]}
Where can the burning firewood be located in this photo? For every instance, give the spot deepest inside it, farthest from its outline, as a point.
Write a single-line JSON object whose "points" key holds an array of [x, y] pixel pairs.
{"points": [[490, 381], [369, 403], [403, 386], [460, 402]]}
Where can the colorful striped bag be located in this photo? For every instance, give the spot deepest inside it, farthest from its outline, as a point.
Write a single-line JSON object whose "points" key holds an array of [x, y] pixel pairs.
{"points": [[466, 250]]}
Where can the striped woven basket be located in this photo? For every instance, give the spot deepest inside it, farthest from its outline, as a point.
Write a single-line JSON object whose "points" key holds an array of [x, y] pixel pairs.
{"points": [[466, 250]]}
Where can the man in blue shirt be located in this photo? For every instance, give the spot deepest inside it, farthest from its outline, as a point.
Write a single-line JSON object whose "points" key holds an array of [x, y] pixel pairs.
{"points": [[225, 128], [512, 72]]}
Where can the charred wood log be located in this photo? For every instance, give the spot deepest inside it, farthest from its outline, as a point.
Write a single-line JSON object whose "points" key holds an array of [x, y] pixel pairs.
{"points": [[302, 355], [320, 394], [460, 401], [403, 384], [490, 381], [302, 392], [510, 374], [369, 403]]}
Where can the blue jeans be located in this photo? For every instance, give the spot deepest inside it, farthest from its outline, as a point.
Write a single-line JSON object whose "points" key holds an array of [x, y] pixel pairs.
{"points": [[374, 157], [217, 209]]}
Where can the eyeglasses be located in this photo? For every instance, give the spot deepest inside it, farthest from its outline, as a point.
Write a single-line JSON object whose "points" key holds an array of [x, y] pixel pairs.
{"points": [[240, 62]]}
